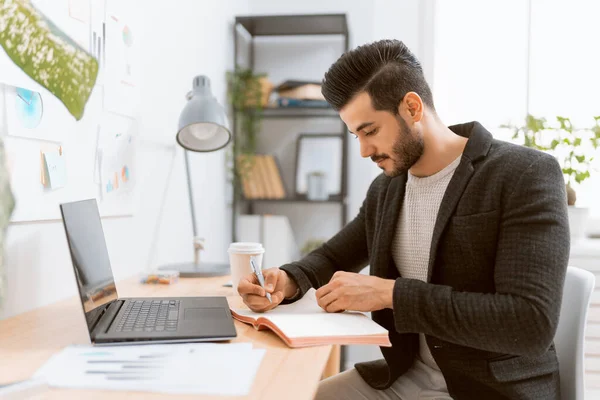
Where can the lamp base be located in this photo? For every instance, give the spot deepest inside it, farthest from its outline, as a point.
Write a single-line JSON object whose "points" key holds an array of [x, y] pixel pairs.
{"points": [[202, 270]]}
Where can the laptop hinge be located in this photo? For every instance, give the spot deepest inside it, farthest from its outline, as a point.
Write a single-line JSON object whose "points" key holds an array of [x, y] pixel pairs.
{"points": [[106, 318]]}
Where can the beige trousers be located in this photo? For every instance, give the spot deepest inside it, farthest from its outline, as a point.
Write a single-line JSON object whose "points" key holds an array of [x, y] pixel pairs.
{"points": [[419, 383]]}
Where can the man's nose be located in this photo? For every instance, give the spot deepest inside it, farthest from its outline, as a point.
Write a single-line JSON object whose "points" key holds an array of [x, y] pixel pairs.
{"points": [[366, 149]]}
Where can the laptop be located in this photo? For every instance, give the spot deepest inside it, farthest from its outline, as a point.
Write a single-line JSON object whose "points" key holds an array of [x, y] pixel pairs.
{"points": [[114, 320]]}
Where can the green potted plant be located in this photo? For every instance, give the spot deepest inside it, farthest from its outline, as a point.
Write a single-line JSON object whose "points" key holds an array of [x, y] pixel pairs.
{"points": [[248, 93], [573, 147]]}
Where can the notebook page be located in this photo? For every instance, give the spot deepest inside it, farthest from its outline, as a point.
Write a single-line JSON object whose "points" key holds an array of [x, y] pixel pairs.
{"points": [[306, 305], [304, 319]]}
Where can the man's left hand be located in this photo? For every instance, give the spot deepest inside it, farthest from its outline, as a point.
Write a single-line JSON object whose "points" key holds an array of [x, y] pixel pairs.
{"points": [[356, 292]]}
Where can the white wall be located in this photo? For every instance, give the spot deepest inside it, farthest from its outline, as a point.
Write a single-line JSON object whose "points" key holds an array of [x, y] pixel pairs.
{"points": [[180, 39]]}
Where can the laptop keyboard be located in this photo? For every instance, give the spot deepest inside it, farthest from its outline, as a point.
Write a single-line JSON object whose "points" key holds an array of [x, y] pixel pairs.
{"points": [[149, 316]]}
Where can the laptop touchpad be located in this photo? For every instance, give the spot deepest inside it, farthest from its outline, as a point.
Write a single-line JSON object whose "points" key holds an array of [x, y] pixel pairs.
{"points": [[204, 313]]}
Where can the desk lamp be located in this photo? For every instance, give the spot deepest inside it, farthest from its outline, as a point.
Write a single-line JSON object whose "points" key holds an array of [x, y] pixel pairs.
{"points": [[203, 128]]}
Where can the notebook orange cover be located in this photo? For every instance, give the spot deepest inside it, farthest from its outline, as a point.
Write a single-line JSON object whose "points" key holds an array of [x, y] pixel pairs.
{"points": [[304, 323]]}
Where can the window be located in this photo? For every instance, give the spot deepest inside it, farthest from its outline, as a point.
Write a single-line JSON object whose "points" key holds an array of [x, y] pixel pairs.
{"points": [[565, 73], [480, 63], [496, 61]]}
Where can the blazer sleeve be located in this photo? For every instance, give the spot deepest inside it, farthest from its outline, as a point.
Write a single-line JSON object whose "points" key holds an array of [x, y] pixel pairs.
{"points": [[531, 260], [346, 251]]}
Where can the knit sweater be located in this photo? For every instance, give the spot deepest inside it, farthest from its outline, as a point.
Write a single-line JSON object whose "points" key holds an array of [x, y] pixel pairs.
{"points": [[412, 241]]}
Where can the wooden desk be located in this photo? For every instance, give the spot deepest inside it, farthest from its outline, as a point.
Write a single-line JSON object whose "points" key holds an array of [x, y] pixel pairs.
{"points": [[29, 339]]}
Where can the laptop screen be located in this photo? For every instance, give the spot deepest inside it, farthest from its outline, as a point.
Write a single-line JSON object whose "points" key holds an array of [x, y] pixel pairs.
{"points": [[90, 257]]}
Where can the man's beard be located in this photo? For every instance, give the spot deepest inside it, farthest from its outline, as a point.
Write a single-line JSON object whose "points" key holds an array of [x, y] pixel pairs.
{"points": [[407, 150]]}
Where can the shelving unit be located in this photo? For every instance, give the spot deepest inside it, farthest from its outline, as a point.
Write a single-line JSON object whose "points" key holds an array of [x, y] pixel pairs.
{"points": [[299, 112], [286, 26]]}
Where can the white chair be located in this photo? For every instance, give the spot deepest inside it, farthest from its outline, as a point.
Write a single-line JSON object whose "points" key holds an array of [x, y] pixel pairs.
{"points": [[570, 334]]}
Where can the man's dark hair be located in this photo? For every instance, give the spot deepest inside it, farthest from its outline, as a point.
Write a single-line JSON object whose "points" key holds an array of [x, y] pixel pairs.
{"points": [[386, 70]]}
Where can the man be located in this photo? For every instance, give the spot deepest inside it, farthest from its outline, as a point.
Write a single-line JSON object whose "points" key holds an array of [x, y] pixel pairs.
{"points": [[466, 237]]}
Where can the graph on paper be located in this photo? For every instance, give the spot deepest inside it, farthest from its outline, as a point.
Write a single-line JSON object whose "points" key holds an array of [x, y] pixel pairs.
{"points": [[29, 107], [121, 92]]}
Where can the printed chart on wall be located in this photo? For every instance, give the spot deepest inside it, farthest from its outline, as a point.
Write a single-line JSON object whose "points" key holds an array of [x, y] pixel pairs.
{"points": [[121, 69], [97, 36], [44, 175], [36, 115], [115, 171]]}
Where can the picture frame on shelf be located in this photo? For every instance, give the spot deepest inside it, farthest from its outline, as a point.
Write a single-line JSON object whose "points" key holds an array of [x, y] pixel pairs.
{"points": [[319, 165]]}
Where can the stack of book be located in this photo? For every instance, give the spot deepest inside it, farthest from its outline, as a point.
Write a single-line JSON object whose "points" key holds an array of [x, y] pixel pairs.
{"points": [[260, 177], [300, 94]]}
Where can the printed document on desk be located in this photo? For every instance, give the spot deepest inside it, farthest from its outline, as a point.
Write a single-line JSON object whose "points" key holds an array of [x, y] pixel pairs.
{"points": [[203, 368]]}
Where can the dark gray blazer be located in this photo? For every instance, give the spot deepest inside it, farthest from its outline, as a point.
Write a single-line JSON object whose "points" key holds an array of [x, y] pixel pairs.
{"points": [[498, 259]]}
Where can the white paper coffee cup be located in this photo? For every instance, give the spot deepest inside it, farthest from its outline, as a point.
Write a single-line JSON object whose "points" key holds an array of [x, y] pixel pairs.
{"points": [[239, 260]]}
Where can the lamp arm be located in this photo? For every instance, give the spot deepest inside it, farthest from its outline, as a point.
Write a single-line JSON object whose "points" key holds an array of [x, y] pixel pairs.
{"points": [[190, 191]]}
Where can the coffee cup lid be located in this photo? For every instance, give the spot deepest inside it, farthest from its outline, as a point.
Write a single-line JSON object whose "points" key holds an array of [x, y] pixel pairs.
{"points": [[246, 248]]}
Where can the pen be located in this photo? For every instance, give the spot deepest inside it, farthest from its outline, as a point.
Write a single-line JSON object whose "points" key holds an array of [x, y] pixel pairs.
{"points": [[260, 277]]}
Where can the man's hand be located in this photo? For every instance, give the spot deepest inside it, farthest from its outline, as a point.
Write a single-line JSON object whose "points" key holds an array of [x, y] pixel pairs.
{"points": [[277, 282], [356, 292]]}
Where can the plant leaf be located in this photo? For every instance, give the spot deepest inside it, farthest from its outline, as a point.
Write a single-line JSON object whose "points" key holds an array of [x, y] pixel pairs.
{"points": [[48, 55], [581, 176], [565, 124]]}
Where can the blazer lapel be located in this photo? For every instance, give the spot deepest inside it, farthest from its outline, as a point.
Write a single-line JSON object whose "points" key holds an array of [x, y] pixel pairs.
{"points": [[478, 145], [387, 225], [455, 189]]}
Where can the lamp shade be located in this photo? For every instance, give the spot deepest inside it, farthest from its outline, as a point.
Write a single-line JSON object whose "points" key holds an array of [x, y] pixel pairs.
{"points": [[203, 125]]}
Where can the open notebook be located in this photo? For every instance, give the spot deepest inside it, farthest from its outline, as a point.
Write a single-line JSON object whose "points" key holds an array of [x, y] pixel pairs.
{"points": [[304, 323]]}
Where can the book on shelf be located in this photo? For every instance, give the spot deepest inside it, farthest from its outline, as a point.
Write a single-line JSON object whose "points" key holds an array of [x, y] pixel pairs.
{"points": [[275, 177], [301, 90], [294, 83], [261, 178], [291, 102], [304, 323]]}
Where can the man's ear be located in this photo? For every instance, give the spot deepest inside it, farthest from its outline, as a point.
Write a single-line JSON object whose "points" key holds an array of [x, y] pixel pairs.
{"points": [[412, 106]]}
